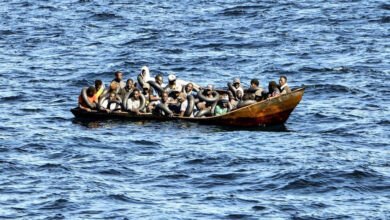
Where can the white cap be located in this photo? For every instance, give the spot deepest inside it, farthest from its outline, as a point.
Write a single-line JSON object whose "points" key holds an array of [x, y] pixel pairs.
{"points": [[171, 77]]}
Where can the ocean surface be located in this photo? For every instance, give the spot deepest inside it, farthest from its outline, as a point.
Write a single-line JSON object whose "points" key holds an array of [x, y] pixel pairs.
{"points": [[331, 159]]}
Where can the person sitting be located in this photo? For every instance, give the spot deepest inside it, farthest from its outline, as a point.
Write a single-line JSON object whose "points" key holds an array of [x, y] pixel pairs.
{"points": [[129, 86], [189, 90], [143, 77], [99, 88], [237, 83], [165, 100], [159, 80], [111, 104], [284, 88], [222, 107], [114, 88], [181, 105], [134, 102], [118, 80], [146, 92], [91, 91], [208, 93], [273, 89]]}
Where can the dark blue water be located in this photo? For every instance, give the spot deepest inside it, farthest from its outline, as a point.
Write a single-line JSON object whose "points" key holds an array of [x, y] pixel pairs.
{"points": [[329, 161]]}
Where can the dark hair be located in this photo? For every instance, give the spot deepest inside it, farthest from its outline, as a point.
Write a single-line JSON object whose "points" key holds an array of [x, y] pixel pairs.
{"points": [[135, 90], [272, 85], [91, 91], [255, 81], [158, 75], [98, 83], [284, 77], [117, 73], [164, 92], [131, 80]]}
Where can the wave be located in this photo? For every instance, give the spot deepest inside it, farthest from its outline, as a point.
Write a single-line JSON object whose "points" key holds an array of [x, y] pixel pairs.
{"points": [[105, 16], [331, 88]]}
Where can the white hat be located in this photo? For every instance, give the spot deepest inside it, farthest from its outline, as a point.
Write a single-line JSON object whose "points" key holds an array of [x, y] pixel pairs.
{"points": [[171, 77]]}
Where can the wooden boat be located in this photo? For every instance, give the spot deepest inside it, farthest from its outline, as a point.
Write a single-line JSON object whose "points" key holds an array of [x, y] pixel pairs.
{"points": [[264, 113]]}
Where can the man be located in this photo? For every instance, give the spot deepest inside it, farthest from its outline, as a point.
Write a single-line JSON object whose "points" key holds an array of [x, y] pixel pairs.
{"points": [[189, 90], [159, 81], [237, 83], [99, 88], [129, 86], [165, 100], [284, 88], [134, 102], [181, 106], [91, 91], [208, 92], [109, 105], [256, 92], [118, 79]]}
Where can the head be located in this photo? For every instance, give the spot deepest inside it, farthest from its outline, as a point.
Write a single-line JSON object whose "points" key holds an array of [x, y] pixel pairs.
{"points": [[130, 83], [146, 88], [112, 96], [164, 97], [172, 79], [113, 86], [236, 82], [224, 103], [272, 86], [189, 87], [182, 97], [159, 79], [254, 83], [91, 91], [98, 84], [209, 89], [136, 94], [144, 71], [118, 75], [282, 80]]}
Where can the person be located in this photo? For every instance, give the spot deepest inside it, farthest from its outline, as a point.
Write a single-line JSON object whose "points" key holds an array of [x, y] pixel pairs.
{"points": [[129, 86], [143, 77], [181, 105], [134, 102], [208, 92], [118, 80], [165, 100], [114, 87], [99, 88], [273, 89], [254, 91], [146, 92], [109, 105], [91, 91], [237, 83], [189, 90], [284, 88], [156, 96], [222, 107], [159, 80]]}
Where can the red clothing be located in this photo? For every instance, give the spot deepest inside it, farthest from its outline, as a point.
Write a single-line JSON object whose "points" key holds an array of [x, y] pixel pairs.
{"points": [[91, 99]]}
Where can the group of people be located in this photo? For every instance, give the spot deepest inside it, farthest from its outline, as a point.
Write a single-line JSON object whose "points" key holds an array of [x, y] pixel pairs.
{"points": [[177, 97]]}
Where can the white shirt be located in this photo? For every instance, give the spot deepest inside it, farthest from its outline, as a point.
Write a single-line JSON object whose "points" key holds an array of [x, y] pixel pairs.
{"points": [[112, 106], [133, 104], [183, 106]]}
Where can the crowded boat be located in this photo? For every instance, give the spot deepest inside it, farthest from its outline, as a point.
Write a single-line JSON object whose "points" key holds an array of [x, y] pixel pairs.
{"points": [[177, 97]]}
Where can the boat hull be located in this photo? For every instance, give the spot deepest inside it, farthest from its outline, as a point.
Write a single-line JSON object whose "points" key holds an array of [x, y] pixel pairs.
{"points": [[268, 112]]}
